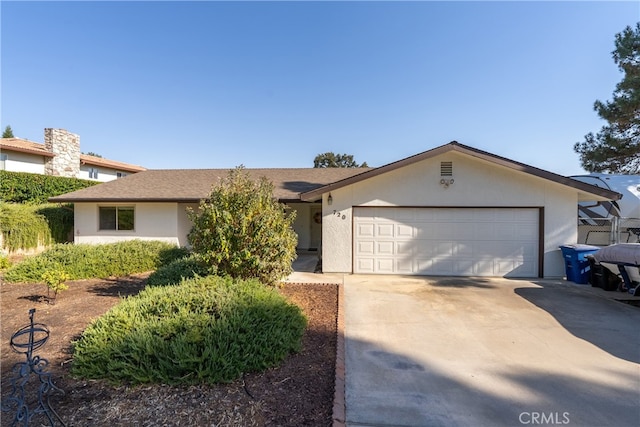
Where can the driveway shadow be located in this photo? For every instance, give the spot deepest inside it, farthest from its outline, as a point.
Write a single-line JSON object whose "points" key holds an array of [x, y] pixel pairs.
{"points": [[612, 326], [460, 282], [388, 388]]}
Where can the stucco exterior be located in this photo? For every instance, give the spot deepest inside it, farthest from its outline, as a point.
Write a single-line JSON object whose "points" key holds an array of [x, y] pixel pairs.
{"points": [[23, 162], [162, 221], [476, 183], [153, 221], [516, 218], [104, 174]]}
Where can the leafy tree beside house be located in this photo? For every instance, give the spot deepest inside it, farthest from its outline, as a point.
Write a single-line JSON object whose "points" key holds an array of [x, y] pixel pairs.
{"points": [[332, 160], [616, 148], [243, 232]]}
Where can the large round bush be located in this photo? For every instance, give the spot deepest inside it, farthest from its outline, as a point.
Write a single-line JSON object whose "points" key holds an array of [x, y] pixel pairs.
{"points": [[205, 330]]}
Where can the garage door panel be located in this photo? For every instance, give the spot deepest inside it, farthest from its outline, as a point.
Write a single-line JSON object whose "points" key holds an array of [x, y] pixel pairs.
{"points": [[385, 266], [405, 248], [463, 249], [447, 241], [385, 230], [425, 230], [404, 266], [385, 248], [365, 265], [365, 248], [365, 229], [404, 231]]}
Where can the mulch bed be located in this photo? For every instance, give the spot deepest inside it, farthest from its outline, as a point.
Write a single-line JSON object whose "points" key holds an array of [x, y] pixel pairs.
{"points": [[297, 393]]}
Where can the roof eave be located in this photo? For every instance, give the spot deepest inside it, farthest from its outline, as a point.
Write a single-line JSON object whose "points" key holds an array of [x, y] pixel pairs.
{"points": [[62, 199], [26, 150]]}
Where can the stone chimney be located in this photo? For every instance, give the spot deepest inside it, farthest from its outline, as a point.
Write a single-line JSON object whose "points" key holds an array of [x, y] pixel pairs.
{"points": [[66, 147]]}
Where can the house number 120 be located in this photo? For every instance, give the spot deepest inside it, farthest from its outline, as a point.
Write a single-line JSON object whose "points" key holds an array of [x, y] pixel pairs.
{"points": [[339, 215]]}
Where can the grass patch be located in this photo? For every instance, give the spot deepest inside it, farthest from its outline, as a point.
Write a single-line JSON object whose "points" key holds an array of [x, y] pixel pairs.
{"points": [[205, 330], [86, 261]]}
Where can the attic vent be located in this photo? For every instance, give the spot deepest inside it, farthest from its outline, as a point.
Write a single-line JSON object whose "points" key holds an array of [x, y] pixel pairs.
{"points": [[446, 168]]}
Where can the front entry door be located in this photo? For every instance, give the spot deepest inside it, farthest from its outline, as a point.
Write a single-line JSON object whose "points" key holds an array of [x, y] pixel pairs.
{"points": [[316, 228]]}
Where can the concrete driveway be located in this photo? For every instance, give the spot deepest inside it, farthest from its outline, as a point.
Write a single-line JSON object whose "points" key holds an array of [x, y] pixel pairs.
{"points": [[488, 352]]}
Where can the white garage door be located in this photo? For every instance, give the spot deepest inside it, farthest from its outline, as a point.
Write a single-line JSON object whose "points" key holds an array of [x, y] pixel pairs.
{"points": [[447, 241]]}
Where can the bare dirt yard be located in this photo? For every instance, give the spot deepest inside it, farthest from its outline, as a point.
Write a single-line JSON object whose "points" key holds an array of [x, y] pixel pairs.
{"points": [[299, 392]]}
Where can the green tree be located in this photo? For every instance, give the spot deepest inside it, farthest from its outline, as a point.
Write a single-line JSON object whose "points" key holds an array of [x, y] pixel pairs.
{"points": [[242, 231], [91, 153], [8, 132], [616, 148], [332, 160]]}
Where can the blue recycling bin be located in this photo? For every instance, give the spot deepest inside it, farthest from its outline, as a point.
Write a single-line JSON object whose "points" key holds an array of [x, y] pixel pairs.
{"points": [[576, 262]]}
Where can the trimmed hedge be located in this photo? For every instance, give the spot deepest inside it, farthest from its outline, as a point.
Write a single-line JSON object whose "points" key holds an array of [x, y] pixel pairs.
{"points": [[33, 188], [205, 330], [86, 261]]}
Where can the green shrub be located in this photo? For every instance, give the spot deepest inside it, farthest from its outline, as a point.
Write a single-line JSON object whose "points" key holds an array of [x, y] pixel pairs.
{"points": [[22, 187], [243, 232], [206, 330], [54, 279], [86, 261], [22, 227], [179, 269], [31, 226], [4, 262], [60, 220]]}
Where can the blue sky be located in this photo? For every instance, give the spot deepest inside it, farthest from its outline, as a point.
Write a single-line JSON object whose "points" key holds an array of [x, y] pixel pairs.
{"points": [[273, 84]]}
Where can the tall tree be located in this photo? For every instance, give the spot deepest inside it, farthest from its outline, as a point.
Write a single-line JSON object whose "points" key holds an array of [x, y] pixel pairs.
{"points": [[616, 148], [332, 160], [8, 132]]}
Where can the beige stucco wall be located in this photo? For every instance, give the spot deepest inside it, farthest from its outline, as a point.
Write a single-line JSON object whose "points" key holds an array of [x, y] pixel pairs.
{"points": [[162, 221], [477, 183], [104, 174], [184, 223], [23, 162], [302, 225], [153, 221]]}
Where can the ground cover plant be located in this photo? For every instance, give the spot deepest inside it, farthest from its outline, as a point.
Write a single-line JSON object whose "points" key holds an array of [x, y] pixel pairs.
{"points": [[84, 261], [297, 392], [177, 270], [204, 330]]}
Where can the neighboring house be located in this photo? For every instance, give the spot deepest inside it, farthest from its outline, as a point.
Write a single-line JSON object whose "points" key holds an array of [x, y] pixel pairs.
{"points": [[59, 156], [450, 211]]}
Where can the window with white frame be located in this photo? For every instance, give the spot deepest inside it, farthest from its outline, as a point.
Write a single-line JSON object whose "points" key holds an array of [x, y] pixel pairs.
{"points": [[120, 174], [121, 218], [93, 173], [3, 159]]}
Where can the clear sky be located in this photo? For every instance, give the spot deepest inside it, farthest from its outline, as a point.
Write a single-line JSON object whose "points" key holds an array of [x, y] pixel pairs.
{"points": [[272, 84]]}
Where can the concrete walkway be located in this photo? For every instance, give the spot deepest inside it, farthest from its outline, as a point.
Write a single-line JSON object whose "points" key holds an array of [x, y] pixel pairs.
{"points": [[488, 352]]}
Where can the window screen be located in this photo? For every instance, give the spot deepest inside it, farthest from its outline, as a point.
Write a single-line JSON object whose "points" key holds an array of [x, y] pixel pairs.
{"points": [[117, 217]]}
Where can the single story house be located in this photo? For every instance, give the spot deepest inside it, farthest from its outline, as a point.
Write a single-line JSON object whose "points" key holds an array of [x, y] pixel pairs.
{"points": [[452, 210], [59, 156]]}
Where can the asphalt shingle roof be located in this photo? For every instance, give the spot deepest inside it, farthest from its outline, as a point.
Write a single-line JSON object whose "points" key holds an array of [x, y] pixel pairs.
{"points": [[193, 185]]}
